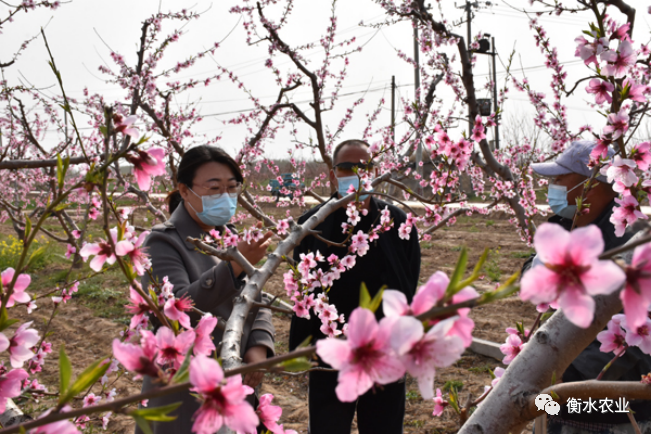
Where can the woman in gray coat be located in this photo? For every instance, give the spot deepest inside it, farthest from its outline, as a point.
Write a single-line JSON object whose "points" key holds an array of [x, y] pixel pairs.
{"points": [[209, 181]]}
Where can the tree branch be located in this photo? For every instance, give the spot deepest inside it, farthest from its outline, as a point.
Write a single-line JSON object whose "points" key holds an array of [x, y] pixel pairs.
{"points": [[230, 254]]}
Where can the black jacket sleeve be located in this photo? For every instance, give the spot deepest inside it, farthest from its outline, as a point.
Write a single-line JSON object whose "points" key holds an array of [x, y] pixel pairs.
{"points": [[413, 253]]}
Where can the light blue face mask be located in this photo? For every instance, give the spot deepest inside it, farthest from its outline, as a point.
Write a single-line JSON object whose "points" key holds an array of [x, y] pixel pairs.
{"points": [[218, 209], [557, 200], [345, 182]]}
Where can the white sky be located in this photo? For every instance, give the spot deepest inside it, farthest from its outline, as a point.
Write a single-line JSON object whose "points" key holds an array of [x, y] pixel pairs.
{"points": [[74, 32]]}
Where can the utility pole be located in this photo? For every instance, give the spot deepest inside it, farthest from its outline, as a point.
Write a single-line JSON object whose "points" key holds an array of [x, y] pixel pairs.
{"points": [[468, 9], [419, 147], [497, 124], [393, 110]]}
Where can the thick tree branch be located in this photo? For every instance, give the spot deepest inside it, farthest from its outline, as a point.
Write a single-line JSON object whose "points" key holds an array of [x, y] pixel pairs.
{"points": [[231, 340], [37, 164]]}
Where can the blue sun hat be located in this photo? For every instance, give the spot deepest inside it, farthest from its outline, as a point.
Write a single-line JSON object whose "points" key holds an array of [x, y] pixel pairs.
{"points": [[574, 159]]}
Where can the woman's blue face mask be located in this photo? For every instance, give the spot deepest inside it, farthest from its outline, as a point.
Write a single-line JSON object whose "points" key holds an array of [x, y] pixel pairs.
{"points": [[218, 209], [345, 182], [557, 200]]}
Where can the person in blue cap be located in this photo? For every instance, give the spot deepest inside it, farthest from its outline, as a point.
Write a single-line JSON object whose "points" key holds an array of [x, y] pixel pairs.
{"points": [[568, 177]]}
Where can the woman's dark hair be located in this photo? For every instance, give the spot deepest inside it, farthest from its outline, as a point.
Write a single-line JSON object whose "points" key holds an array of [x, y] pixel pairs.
{"points": [[191, 161]]}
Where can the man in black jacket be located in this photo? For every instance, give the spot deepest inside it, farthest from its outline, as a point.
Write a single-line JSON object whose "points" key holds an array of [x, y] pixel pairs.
{"points": [[392, 262], [568, 175]]}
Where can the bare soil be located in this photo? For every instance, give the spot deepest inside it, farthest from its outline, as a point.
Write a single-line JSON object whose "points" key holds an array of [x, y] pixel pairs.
{"points": [[88, 337]]}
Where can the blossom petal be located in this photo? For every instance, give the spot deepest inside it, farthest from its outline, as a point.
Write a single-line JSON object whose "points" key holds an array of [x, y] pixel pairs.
{"points": [[352, 384], [426, 384], [551, 242], [97, 262], [394, 303], [90, 249], [635, 307], [22, 282], [362, 327], [4, 342], [603, 277], [585, 245], [577, 307], [205, 374], [430, 293], [335, 352], [405, 333], [143, 179], [242, 418], [124, 247], [539, 285]]}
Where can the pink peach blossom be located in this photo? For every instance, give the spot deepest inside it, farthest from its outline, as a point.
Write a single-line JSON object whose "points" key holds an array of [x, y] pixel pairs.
{"points": [[421, 353], [641, 154], [147, 164], [223, 404], [572, 273], [620, 61], [137, 358], [622, 169], [139, 258], [123, 125], [404, 231], [636, 296], [636, 92], [175, 309], [613, 339], [22, 282], [269, 414], [498, 372], [172, 349], [203, 343], [138, 308], [511, 348], [626, 214], [602, 90], [439, 404], [359, 243], [10, 386], [617, 125], [60, 427], [362, 360], [639, 336], [21, 343], [102, 251], [394, 303]]}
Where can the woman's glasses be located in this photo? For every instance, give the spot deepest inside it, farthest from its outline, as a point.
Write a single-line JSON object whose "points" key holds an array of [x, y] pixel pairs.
{"points": [[216, 187]]}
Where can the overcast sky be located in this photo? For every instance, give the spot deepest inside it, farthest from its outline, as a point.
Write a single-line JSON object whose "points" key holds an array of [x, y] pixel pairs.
{"points": [[81, 32]]}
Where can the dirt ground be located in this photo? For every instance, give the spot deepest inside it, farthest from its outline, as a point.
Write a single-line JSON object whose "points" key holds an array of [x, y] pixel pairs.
{"points": [[88, 337]]}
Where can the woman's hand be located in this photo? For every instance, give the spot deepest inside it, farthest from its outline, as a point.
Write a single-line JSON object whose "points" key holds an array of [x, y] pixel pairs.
{"points": [[253, 251], [254, 355]]}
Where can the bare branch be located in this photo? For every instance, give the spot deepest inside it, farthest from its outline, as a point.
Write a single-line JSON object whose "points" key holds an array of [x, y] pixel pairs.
{"points": [[37, 164], [230, 254]]}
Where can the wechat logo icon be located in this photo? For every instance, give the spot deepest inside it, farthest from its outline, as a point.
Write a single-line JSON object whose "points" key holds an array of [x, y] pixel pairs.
{"points": [[544, 402]]}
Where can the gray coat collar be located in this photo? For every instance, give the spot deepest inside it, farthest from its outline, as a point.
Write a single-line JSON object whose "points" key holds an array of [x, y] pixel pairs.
{"points": [[184, 225]]}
